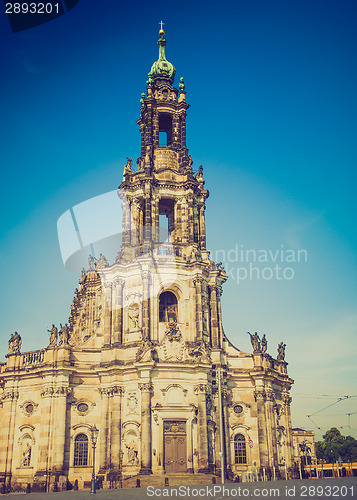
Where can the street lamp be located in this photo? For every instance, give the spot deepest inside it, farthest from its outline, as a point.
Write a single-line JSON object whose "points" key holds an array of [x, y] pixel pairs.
{"points": [[94, 435], [121, 455]]}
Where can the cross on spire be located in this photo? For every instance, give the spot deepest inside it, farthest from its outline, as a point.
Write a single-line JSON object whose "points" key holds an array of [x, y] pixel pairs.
{"points": [[161, 24]]}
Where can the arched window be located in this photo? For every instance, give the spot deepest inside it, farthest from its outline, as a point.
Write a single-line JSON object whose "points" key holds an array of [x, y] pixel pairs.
{"points": [[240, 452], [81, 450], [168, 308]]}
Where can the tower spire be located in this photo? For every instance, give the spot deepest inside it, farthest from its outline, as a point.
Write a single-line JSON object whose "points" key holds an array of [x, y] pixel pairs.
{"points": [[162, 68]]}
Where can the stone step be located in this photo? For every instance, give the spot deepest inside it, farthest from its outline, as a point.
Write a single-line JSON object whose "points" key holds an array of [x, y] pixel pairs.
{"points": [[172, 480]]}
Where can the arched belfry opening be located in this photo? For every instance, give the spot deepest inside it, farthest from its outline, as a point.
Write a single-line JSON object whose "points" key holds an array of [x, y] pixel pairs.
{"points": [[166, 219], [168, 308], [165, 129]]}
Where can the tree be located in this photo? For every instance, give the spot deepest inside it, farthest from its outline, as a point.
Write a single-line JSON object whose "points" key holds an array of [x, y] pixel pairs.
{"points": [[348, 450], [334, 446]]}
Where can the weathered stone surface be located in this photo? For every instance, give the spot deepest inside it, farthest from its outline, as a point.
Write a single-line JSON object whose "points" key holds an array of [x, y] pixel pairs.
{"points": [[146, 352]]}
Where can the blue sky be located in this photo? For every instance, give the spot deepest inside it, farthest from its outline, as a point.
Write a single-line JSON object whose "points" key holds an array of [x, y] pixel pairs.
{"points": [[272, 87]]}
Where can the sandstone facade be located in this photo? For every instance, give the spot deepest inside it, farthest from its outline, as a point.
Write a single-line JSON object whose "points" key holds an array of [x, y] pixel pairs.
{"points": [[145, 357]]}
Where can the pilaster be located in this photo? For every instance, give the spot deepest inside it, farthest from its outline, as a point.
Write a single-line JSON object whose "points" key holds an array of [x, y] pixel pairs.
{"points": [[146, 392], [146, 278], [199, 326], [60, 394], [260, 398], [214, 316], [115, 423], [104, 444], [117, 337], [9, 402], [201, 391]]}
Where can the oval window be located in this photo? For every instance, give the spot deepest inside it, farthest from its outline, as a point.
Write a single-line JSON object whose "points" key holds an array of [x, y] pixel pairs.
{"points": [[238, 409], [82, 407]]}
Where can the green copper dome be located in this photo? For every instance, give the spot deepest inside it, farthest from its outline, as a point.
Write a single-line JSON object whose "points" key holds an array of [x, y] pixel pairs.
{"points": [[162, 68]]}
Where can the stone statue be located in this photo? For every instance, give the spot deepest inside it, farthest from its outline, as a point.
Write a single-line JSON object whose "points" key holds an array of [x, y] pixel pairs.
{"points": [[91, 262], [53, 336], [134, 316], [219, 266], [281, 351], [264, 343], [255, 342], [14, 343], [199, 175], [147, 157], [127, 166], [64, 335], [102, 262], [140, 163], [132, 450], [26, 456], [281, 436], [11, 344]]}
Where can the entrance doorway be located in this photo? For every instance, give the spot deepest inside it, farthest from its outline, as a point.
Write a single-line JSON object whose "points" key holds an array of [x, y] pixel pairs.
{"points": [[175, 446]]}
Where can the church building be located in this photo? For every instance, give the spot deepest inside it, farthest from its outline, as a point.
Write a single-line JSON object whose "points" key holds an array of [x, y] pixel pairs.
{"points": [[144, 356]]}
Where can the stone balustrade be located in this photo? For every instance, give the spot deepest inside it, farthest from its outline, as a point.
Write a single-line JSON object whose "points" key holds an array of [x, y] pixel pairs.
{"points": [[33, 357]]}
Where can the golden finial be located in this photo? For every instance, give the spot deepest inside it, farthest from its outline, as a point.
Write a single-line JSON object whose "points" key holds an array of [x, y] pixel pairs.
{"points": [[161, 32]]}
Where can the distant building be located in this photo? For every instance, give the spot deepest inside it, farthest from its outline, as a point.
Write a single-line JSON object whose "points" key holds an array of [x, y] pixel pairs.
{"points": [[145, 357]]}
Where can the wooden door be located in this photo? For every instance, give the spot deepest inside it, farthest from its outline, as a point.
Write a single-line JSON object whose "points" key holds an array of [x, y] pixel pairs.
{"points": [[175, 446]]}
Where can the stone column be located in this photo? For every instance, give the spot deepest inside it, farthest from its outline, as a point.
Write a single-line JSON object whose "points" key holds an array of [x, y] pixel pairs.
{"points": [[143, 145], [259, 396], [134, 226], [196, 224], [289, 438], [146, 391], [156, 129], [148, 222], [200, 391], [104, 450], [149, 128], [118, 311], [107, 313], [7, 429], [155, 218], [59, 435], [184, 217], [146, 277], [198, 287], [214, 316], [176, 131], [202, 228], [116, 428], [183, 129], [45, 436], [190, 219], [227, 450], [220, 326], [271, 426], [126, 223], [178, 220]]}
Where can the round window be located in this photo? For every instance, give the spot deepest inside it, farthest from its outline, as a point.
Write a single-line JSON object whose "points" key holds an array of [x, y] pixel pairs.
{"points": [[238, 409], [29, 408], [82, 407]]}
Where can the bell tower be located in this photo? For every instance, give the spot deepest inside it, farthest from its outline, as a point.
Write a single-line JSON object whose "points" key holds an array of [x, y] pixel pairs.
{"points": [[163, 116], [164, 212]]}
